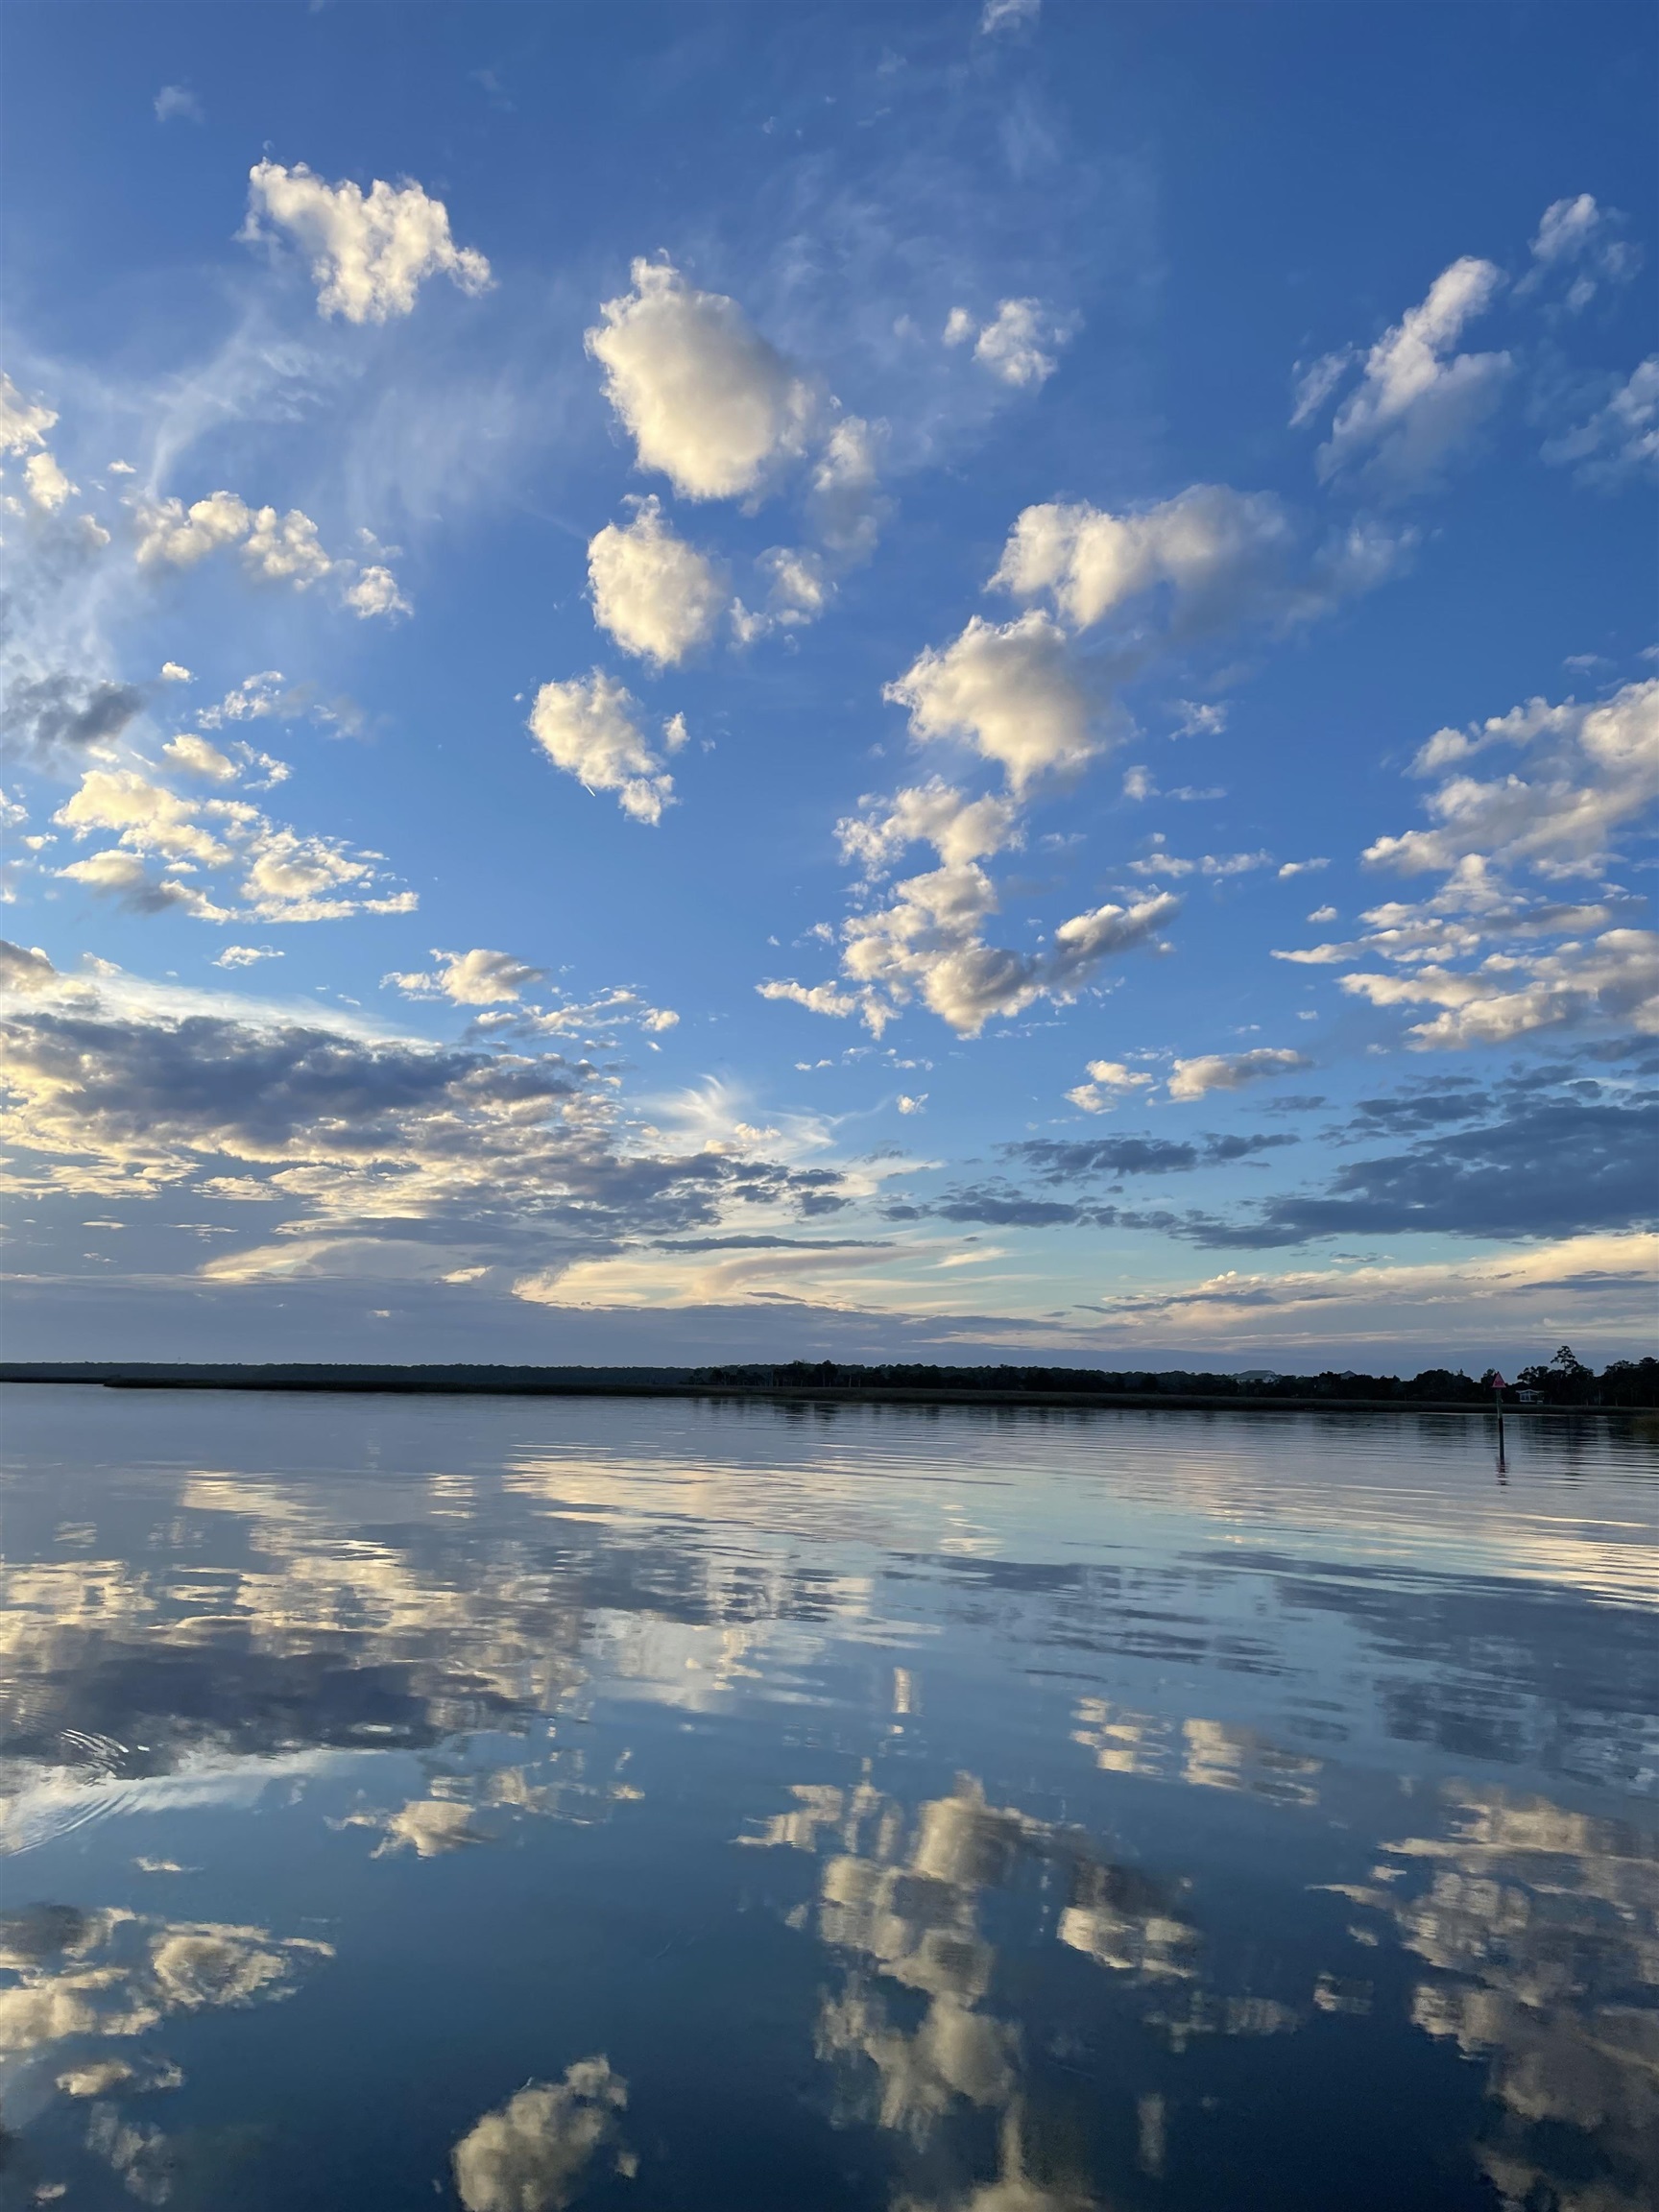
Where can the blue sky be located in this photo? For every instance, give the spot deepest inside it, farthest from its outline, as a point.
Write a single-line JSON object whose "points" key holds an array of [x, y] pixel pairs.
{"points": [[874, 682]]}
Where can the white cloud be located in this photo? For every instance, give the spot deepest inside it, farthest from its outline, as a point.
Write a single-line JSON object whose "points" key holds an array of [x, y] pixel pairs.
{"points": [[844, 493], [170, 533], [25, 968], [149, 818], [1010, 690], [1159, 862], [177, 102], [1417, 404], [174, 672], [707, 400], [1209, 547], [1109, 1082], [475, 978], [48, 486], [1580, 241], [285, 549], [1517, 1295], [587, 727], [1231, 1070], [1200, 718], [368, 255], [928, 943], [276, 548], [195, 756], [285, 876], [657, 597], [1315, 383], [1621, 440], [1302, 867], [123, 877], [1611, 978], [529, 2155], [1596, 769], [1007, 14], [1016, 345], [1478, 947], [246, 955], [376, 592], [23, 423], [935, 814]]}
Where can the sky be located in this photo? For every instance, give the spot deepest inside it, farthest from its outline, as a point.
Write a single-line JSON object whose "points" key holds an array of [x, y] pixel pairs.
{"points": [[717, 682]]}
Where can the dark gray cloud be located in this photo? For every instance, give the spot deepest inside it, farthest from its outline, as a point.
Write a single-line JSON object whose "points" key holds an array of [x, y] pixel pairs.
{"points": [[511, 1155], [1053, 1160], [1552, 1153], [1411, 1112], [47, 716], [1556, 1165]]}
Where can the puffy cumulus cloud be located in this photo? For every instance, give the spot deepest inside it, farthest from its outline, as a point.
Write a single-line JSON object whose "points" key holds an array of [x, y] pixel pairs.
{"points": [[531, 2155], [1010, 690], [123, 877], [475, 978], [1581, 242], [1207, 547], [611, 1010], [149, 818], [23, 423], [1020, 344], [195, 755], [246, 955], [291, 878], [276, 548], [959, 828], [1478, 947], [1591, 772], [47, 719], [589, 727], [46, 484], [284, 875], [1109, 1083], [370, 255], [657, 597], [706, 400], [928, 943], [1619, 440], [375, 593], [1611, 978], [178, 536], [1417, 401], [1231, 1070]]}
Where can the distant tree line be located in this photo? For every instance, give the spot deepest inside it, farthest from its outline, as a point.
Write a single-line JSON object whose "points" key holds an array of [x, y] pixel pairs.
{"points": [[1565, 1381]]}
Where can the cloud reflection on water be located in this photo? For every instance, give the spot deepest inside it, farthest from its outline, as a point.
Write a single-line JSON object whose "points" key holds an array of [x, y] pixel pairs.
{"points": [[1182, 1720]]}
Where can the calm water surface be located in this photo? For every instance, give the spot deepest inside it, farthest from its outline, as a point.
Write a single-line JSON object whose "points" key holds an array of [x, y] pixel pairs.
{"points": [[521, 1804]]}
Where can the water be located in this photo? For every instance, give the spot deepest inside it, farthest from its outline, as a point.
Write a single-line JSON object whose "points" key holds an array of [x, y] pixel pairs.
{"points": [[758, 1809]]}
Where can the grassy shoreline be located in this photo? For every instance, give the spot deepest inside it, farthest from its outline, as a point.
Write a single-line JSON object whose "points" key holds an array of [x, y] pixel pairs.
{"points": [[308, 1379]]}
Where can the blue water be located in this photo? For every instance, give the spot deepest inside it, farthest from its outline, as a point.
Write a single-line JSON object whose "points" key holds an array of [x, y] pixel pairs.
{"points": [[518, 1804]]}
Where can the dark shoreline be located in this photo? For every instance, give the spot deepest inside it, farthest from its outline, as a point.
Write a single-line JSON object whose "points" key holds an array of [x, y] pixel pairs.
{"points": [[609, 1383]]}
